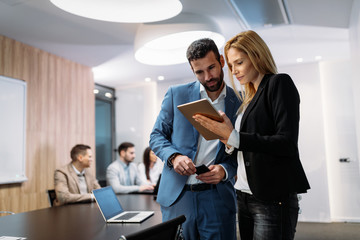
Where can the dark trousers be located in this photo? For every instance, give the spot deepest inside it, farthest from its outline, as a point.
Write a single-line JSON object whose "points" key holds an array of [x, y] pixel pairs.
{"points": [[259, 220]]}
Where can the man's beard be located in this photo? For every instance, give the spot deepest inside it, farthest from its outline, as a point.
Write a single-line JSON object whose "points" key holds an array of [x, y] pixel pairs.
{"points": [[128, 160], [217, 86]]}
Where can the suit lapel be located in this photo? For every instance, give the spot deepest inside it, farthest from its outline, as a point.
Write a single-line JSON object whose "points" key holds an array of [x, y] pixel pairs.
{"points": [[74, 176], [252, 104], [87, 180], [194, 94], [230, 104]]}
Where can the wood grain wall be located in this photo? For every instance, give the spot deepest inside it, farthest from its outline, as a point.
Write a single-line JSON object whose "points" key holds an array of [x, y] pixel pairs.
{"points": [[60, 114]]}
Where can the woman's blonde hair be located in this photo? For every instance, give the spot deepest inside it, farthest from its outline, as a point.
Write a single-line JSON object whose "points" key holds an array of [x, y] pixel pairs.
{"points": [[260, 56]]}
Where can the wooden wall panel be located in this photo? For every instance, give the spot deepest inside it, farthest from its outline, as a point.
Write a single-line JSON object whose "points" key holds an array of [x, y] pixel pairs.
{"points": [[60, 114]]}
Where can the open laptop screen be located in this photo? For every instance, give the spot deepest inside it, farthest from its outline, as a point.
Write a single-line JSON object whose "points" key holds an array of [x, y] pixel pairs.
{"points": [[108, 202]]}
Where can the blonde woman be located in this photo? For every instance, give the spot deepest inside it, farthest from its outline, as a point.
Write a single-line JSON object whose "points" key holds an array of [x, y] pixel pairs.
{"points": [[264, 141]]}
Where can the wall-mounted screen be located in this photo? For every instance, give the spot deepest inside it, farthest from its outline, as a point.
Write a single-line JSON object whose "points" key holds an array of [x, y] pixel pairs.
{"points": [[12, 130]]}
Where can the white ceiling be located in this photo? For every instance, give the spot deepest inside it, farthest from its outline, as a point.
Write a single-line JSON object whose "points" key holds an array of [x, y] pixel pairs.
{"points": [[317, 27]]}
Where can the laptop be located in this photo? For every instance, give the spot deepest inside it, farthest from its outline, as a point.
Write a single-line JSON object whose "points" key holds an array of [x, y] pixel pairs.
{"points": [[150, 192], [113, 212], [156, 188]]}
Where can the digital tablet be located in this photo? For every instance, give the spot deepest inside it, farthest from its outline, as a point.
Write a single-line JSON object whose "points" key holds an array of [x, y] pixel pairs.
{"points": [[203, 107]]}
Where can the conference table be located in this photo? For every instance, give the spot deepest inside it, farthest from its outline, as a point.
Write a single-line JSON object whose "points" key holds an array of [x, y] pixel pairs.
{"points": [[78, 221]]}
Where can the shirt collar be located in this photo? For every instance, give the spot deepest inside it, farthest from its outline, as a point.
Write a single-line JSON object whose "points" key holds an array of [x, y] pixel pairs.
{"points": [[204, 94], [124, 165], [77, 171]]}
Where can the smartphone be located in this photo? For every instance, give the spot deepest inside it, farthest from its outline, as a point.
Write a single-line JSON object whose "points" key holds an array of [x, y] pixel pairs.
{"points": [[201, 169]]}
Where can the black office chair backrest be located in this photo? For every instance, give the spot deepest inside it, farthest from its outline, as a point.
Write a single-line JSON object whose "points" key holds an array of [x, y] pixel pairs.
{"points": [[169, 230], [51, 196], [4, 213]]}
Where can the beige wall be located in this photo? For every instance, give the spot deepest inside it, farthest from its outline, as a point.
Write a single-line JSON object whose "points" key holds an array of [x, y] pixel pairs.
{"points": [[60, 114]]}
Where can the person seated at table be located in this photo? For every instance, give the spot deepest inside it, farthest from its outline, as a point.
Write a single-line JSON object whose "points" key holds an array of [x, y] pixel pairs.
{"points": [[122, 174], [151, 167], [74, 182]]}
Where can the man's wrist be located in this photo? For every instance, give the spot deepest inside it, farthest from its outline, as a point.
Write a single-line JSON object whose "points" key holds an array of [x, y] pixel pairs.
{"points": [[226, 173], [171, 158]]}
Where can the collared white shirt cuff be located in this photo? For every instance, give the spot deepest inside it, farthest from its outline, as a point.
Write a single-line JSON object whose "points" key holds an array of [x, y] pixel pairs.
{"points": [[233, 141], [226, 174], [229, 149]]}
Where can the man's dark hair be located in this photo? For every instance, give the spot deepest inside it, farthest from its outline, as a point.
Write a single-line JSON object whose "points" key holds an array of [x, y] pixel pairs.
{"points": [[124, 146], [78, 149], [199, 48]]}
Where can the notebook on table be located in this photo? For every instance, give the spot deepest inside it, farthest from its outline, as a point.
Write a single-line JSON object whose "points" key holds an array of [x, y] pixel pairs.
{"points": [[113, 212]]}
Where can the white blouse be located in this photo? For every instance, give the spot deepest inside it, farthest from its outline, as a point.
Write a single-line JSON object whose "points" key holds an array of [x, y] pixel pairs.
{"points": [[154, 172], [234, 141]]}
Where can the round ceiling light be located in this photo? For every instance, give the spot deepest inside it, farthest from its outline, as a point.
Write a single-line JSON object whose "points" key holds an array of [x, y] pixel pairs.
{"points": [[128, 11], [166, 42]]}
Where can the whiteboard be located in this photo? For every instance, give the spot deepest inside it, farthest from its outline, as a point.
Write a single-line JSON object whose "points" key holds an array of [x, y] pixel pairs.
{"points": [[12, 130]]}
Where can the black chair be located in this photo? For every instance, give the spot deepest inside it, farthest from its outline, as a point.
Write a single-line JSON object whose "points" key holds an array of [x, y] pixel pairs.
{"points": [[102, 183], [51, 196], [167, 230], [5, 213]]}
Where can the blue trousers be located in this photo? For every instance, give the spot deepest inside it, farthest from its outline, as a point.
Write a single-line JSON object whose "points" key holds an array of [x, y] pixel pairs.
{"points": [[260, 220], [207, 215]]}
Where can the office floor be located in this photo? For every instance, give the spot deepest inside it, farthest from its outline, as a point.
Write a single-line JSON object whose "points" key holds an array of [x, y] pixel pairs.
{"points": [[326, 231]]}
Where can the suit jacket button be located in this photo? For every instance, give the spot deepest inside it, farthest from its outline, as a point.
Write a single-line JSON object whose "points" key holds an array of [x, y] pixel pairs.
{"points": [[247, 164]]}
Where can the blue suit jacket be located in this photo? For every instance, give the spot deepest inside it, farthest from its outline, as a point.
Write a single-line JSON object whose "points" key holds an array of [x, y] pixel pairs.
{"points": [[173, 133]]}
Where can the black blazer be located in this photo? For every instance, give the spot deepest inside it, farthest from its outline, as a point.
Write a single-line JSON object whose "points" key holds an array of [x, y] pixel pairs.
{"points": [[268, 138]]}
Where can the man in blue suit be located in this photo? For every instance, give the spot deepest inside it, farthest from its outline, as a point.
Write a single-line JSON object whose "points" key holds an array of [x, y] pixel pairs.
{"points": [[207, 200]]}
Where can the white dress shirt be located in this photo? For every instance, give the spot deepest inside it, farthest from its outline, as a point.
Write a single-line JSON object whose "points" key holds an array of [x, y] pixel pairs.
{"points": [[206, 151]]}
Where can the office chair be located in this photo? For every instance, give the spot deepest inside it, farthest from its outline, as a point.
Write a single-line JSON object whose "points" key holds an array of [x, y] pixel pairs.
{"points": [[6, 213], [167, 230], [51, 196]]}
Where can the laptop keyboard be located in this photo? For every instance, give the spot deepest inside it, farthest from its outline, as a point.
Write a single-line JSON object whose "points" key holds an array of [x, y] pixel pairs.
{"points": [[126, 216]]}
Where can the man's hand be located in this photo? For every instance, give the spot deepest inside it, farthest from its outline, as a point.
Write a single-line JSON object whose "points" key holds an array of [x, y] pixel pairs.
{"points": [[183, 165], [214, 176], [146, 188]]}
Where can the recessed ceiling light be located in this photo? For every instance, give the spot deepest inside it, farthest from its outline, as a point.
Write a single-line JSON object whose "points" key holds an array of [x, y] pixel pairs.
{"points": [[166, 42], [160, 78], [147, 79], [129, 11], [318, 58], [96, 91], [299, 60]]}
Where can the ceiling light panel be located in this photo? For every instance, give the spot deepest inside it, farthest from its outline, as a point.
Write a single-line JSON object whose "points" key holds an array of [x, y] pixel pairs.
{"points": [[166, 42], [128, 11]]}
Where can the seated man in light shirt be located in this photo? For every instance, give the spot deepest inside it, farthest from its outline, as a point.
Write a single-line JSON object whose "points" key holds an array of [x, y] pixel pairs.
{"points": [[74, 182], [122, 174]]}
